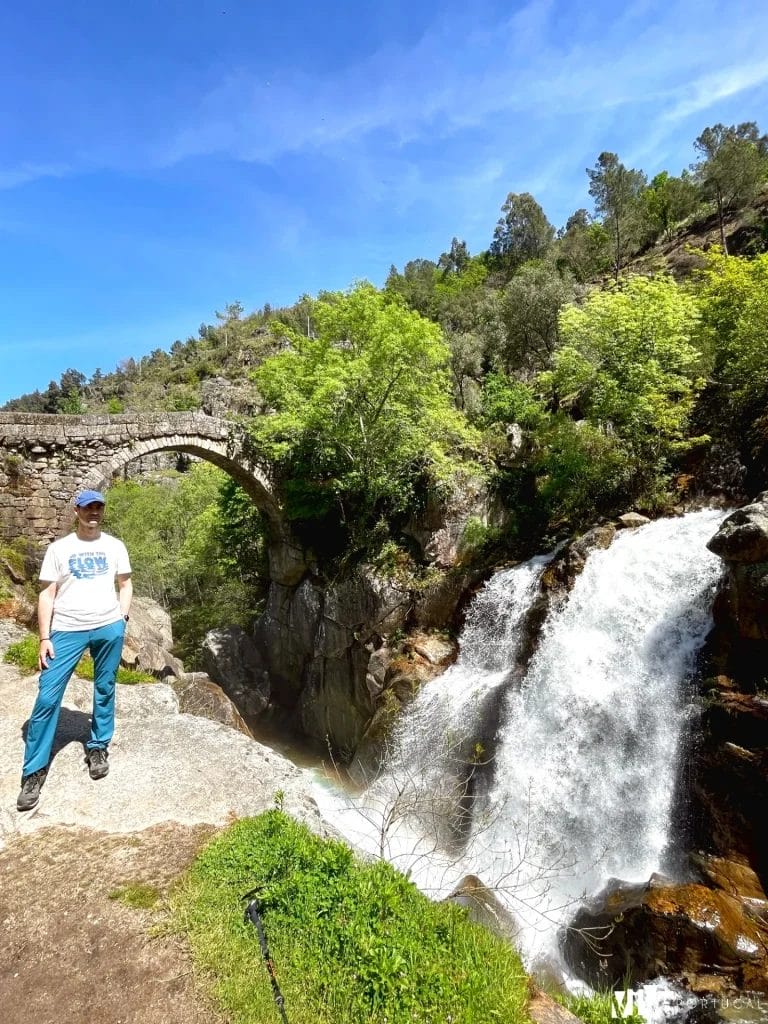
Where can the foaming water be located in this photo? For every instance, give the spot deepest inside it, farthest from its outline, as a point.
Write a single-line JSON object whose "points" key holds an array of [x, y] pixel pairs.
{"points": [[587, 751]]}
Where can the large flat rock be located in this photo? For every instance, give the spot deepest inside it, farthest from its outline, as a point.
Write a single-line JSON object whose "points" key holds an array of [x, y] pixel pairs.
{"points": [[165, 766]]}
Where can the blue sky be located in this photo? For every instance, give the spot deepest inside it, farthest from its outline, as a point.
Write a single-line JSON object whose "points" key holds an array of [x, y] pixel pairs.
{"points": [[161, 159]]}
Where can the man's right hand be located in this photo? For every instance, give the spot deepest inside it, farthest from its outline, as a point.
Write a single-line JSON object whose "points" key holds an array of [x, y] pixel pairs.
{"points": [[46, 651]]}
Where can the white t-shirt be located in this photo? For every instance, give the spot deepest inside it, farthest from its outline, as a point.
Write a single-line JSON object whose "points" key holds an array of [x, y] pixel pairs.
{"points": [[85, 572]]}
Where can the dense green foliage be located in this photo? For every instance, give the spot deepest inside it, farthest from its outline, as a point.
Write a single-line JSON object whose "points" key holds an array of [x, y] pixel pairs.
{"points": [[733, 298], [350, 941], [196, 546], [362, 413], [628, 365]]}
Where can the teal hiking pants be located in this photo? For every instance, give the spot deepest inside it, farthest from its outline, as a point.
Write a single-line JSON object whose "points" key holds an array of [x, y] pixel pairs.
{"points": [[105, 645]]}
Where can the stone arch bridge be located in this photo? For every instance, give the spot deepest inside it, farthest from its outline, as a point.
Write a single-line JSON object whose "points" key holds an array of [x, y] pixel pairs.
{"points": [[46, 459]]}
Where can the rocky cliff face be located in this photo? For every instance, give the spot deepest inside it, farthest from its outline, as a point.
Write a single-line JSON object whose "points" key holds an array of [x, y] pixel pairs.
{"points": [[731, 765], [326, 646], [316, 641]]}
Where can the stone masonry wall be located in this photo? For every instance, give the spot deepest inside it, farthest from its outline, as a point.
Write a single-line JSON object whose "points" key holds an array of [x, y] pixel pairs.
{"points": [[45, 460]]}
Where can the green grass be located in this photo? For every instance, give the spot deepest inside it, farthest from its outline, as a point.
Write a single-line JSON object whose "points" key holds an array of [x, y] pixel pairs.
{"points": [[24, 653], [351, 942], [136, 895], [598, 1008]]}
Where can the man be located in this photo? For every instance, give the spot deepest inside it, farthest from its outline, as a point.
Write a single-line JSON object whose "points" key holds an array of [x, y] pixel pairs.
{"points": [[78, 610]]}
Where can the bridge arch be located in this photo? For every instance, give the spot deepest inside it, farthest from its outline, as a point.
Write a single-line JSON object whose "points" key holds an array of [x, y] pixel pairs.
{"points": [[46, 459]]}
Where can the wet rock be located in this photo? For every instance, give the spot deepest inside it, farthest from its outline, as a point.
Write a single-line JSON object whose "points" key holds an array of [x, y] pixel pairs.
{"points": [[743, 536], [336, 703], [484, 907], [437, 603], [233, 661], [370, 753], [637, 933], [285, 637], [742, 543], [316, 642], [378, 663], [733, 877], [542, 1009], [631, 520], [437, 650], [569, 564], [396, 675], [557, 581], [729, 769]]}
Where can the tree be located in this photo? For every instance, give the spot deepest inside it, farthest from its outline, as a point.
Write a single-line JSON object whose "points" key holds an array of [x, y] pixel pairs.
{"points": [[734, 303], [360, 413], [734, 164], [616, 190], [531, 305], [522, 232], [628, 364], [455, 260], [230, 321], [416, 285], [667, 201], [467, 351], [71, 384], [583, 247], [52, 397]]}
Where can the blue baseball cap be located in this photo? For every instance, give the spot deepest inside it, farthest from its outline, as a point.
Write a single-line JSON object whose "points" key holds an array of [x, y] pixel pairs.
{"points": [[86, 497]]}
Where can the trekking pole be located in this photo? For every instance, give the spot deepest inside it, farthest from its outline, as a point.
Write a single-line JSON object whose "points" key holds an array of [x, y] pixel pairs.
{"points": [[252, 914]]}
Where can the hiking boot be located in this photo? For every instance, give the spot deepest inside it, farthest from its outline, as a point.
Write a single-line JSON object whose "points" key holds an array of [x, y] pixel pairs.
{"points": [[97, 762], [30, 790]]}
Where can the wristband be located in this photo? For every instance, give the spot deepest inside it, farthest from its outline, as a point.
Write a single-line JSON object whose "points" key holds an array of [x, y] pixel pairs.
{"points": [[44, 638]]}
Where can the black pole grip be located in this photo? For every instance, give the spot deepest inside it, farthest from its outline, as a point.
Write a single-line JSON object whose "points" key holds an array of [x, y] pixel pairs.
{"points": [[252, 914]]}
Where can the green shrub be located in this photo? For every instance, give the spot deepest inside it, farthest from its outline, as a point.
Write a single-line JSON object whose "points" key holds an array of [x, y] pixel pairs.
{"points": [[25, 651], [127, 676], [476, 537], [351, 942]]}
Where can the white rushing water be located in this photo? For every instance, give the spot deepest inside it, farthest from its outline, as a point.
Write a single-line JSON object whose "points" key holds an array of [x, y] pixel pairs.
{"points": [[587, 753]]}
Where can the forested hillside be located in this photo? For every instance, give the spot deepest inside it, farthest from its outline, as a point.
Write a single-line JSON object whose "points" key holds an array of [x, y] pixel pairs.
{"points": [[620, 361]]}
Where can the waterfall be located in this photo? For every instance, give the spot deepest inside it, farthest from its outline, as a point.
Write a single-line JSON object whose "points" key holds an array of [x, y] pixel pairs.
{"points": [[586, 746]]}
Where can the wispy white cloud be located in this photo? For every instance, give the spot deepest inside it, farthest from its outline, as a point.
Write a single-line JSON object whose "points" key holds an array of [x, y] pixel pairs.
{"points": [[709, 89], [456, 79], [408, 123], [24, 173]]}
